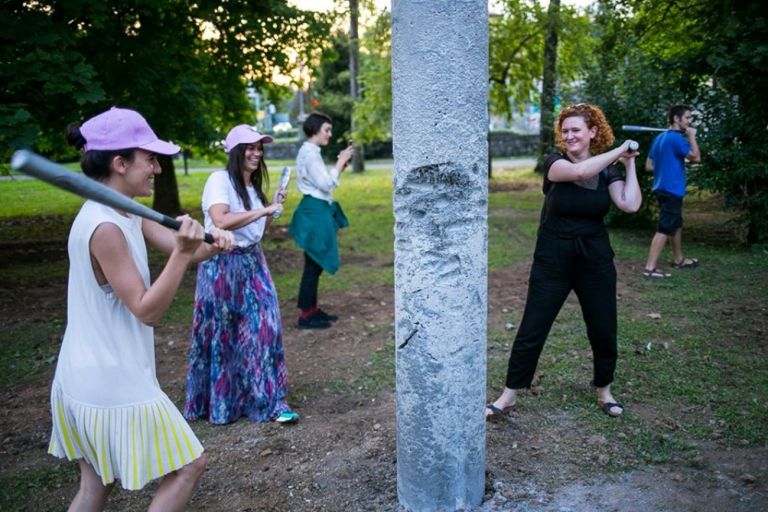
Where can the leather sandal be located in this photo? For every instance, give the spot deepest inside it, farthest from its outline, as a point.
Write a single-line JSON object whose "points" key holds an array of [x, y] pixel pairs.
{"points": [[655, 274], [686, 263]]}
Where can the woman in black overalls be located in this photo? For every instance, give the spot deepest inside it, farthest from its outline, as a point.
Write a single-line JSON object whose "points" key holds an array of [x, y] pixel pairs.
{"points": [[573, 251]]}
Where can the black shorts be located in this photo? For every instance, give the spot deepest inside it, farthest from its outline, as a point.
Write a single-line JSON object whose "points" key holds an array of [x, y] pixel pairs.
{"points": [[670, 213]]}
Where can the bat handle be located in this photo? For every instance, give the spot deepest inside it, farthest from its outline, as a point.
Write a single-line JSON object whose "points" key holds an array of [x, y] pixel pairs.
{"points": [[176, 225]]}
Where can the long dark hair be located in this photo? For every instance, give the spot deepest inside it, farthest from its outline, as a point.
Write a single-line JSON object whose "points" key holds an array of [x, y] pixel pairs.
{"points": [[95, 163], [259, 178]]}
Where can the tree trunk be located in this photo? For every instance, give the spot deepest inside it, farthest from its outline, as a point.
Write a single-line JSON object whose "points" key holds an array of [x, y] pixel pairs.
{"points": [[166, 199], [358, 159], [548, 86], [440, 126]]}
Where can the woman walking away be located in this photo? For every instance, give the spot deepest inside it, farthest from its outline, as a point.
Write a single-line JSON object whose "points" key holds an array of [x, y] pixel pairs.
{"points": [[236, 358], [108, 410], [573, 251]]}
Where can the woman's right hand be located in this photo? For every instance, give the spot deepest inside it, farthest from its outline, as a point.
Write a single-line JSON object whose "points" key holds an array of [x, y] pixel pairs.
{"points": [[627, 152]]}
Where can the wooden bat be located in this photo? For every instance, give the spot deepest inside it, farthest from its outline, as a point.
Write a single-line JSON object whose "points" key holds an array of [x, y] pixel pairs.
{"points": [[55, 174]]}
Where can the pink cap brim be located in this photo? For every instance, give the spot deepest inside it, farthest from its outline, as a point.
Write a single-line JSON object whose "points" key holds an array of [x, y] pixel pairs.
{"points": [[257, 137], [161, 147]]}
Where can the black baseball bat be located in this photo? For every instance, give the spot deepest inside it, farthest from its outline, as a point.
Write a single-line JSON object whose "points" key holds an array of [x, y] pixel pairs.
{"points": [[55, 174]]}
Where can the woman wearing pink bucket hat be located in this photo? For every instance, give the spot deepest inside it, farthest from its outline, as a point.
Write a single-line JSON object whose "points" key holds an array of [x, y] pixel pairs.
{"points": [[108, 410], [236, 357]]}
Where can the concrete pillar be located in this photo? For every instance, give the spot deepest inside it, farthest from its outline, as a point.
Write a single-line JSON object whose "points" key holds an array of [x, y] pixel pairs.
{"points": [[440, 124]]}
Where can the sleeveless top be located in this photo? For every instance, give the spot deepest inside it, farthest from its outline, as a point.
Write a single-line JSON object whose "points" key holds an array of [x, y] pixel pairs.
{"points": [[107, 356], [106, 403]]}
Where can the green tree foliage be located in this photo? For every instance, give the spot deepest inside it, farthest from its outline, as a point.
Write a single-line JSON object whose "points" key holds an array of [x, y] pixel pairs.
{"points": [[184, 64], [44, 79], [548, 84], [516, 47], [734, 106], [331, 89], [517, 38], [374, 111], [712, 55]]}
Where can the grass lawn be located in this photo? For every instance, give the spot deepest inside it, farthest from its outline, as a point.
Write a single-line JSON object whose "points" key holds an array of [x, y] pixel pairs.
{"points": [[692, 348]]}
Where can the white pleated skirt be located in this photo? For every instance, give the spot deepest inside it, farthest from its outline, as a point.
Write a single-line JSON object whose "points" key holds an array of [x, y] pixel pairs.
{"points": [[134, 444]]}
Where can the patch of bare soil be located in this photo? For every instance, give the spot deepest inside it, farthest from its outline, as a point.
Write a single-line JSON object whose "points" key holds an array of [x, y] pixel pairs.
{"points": [[496, 186], [341, 455]]}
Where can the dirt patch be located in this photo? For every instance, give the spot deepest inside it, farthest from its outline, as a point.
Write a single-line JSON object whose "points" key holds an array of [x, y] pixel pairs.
{"points": [[501, 186], [341, 456]]}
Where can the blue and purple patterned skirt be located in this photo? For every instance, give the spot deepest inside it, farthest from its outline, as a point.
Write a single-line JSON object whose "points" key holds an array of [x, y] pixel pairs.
{"points": [[236, 358]]}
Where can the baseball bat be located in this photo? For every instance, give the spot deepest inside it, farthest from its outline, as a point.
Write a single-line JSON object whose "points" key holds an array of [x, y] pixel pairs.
{"points": [[285, 177], [55, 174], [637, 128]]}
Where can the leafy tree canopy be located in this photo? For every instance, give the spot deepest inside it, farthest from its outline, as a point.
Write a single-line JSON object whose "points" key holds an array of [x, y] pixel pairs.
{"points": [[184, 64], [517, 49], [712, 55]]}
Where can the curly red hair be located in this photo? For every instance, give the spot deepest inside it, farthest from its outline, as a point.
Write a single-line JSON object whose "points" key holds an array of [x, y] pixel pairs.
{"points": [[594, 117]]}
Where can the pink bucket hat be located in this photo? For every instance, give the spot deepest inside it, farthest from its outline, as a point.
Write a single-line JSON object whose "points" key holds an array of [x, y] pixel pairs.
{"points": [[243, 134], [121, 128]]}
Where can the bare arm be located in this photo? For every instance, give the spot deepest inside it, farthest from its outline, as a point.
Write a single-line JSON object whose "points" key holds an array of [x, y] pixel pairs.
{"points": [[224, 219], [113, 264], [564, 170], [695, 154], [162, 239], [626, 194]]}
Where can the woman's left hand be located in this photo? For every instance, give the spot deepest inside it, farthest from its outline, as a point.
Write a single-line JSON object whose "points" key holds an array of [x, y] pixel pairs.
{"points": [[280, 196], [223, 240]]}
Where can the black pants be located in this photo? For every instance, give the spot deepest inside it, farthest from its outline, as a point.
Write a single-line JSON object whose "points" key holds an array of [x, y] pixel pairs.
{"points": [[310, 280], [584, 265]]}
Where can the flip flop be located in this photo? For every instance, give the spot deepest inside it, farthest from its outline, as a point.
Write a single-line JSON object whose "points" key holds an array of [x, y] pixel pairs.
{"points": [[607, 406], [497, 413]]}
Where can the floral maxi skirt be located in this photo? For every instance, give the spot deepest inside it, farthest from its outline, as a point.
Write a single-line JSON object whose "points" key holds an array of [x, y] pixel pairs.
{"points": [[236, 358]]}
